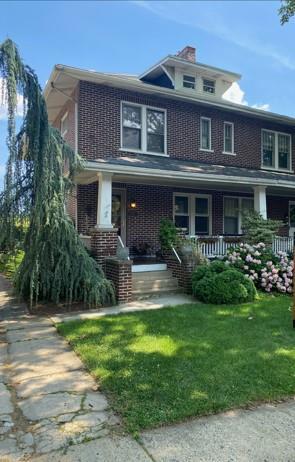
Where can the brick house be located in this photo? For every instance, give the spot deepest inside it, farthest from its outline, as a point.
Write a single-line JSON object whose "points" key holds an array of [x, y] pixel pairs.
{"points": [[168, 144]]}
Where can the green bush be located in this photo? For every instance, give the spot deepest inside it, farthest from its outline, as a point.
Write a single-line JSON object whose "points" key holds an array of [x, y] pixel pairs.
{"points": [[218, 284], [167, 234]]}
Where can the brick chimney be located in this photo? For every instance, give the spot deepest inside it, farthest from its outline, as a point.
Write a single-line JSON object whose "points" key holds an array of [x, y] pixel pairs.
{"points": [[188, 53]]}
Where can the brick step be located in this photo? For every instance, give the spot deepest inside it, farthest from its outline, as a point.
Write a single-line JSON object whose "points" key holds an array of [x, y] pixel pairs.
{"points": [[151, 275]]}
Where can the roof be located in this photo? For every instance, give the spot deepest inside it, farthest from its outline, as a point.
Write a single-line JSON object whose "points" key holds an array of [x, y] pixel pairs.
{"points": [[171, 60], [65, 78], [173, 168]]}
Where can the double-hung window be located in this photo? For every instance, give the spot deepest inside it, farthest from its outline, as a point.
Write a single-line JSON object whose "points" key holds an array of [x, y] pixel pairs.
{"points": [[228, 138], [189, 82], [276, 150], [209, 86], [193, 212], [233, 210], [205, 134], [143, 129]]}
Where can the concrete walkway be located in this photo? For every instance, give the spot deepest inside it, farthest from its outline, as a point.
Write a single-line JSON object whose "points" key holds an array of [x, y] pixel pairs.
{"points": [[51, 410]]}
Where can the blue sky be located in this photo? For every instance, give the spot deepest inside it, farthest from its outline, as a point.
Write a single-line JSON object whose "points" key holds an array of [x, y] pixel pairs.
{"points": [[245, 37]]}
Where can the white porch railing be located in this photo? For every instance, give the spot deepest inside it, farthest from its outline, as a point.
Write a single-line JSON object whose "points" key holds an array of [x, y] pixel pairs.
{"points": [[217, 246]]}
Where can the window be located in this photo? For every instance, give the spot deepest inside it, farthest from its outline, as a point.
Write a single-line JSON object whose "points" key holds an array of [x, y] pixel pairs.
{"points": [[209, 86], [228, 138], [143, 129], [193, 212], [181, 212], [233, 209], [189, 82], [64, 125], [284, 151], [276, 150], [206, 133], [202, 215]]}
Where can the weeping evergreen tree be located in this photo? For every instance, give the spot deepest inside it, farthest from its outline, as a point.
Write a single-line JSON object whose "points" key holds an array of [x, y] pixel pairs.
{"points": [[56, 266]]}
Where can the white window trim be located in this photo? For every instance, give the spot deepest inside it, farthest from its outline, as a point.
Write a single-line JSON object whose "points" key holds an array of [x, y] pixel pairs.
{"points": [[276, 151], [232, 152], [210, 135], [63, 133], [208, 92], [189, 75], [143, 130], [240, 198], [191, 210]]}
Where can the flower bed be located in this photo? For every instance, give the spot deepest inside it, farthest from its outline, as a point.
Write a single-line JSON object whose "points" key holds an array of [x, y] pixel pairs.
{"points": [[269, 272]]}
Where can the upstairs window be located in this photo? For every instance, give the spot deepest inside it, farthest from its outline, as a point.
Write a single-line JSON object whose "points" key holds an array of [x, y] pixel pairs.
{"points": [[64, 125], [209, 86], [205, 134], [189, 82], [143, 129], [276, 150], [228, 138]]}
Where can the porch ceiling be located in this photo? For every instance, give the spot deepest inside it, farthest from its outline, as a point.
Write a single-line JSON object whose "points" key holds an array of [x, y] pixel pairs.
{"points": [[167, 171]]}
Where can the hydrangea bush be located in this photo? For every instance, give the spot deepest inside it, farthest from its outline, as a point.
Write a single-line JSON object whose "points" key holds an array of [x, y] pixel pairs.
{"points": [[269, 272]]}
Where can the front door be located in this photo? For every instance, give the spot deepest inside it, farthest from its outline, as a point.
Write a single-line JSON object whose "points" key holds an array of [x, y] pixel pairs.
{"points": [[291, 218], [119, 212]]}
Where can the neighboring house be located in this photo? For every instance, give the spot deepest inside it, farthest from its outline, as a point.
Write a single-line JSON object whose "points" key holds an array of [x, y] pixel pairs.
{"points": [[166, 144]]}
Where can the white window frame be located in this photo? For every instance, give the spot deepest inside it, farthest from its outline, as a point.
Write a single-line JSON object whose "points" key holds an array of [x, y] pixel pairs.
{"points": [[232, 152], [64, 117], [203, 84], [143, 149], [183, 79], [210, 134], [192, 210], [276, 151], [240, 199]]}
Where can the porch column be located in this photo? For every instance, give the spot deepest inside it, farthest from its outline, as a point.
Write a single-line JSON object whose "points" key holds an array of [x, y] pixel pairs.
{"points": [[260, 200], [104, 202]]}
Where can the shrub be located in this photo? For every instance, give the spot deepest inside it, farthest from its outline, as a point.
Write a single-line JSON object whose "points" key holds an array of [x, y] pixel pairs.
{"points": [[167, 234], [218, 284], [258, 229], [269, 272]]}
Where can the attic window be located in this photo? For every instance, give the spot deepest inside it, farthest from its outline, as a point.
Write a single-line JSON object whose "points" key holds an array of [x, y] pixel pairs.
{"points": [[209, 86], [189, 82]]}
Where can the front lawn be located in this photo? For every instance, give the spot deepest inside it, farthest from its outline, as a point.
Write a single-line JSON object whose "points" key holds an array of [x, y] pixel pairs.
{"points": [[163, 366]]}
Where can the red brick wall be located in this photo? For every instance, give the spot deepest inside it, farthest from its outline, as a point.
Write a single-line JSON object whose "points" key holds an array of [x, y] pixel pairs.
{"points": [[103, 244], [99, 127], [69, 107], [120, 273]]}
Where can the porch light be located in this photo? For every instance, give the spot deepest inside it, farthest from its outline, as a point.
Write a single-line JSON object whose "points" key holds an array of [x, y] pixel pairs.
{"points": [[133, 204]]}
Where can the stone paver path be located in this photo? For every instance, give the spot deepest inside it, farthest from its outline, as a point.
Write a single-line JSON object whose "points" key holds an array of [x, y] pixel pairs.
{"points": [[49, 405]]}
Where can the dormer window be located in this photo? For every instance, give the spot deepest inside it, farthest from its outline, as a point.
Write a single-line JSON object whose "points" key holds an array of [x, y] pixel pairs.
{"points": [[209, 86], [189, 82]]}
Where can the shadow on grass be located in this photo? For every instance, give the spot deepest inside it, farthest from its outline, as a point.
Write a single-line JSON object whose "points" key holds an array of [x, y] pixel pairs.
{"points": [[163, 366]]}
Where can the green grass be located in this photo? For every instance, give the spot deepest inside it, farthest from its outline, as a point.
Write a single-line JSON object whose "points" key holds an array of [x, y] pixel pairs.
{"points": [[10, 263], [163, 366]]}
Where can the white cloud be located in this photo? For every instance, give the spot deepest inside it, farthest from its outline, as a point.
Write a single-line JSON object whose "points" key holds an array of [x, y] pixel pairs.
{"points": [[263, 107], [3, 102], [235, 94]]}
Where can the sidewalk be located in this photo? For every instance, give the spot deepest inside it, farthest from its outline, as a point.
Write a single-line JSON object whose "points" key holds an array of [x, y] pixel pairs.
{"points": [[51, 410], [48, 402]]}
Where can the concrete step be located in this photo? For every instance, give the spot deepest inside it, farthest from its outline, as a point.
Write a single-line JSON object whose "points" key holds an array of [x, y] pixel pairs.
{"points": [[138, 293], [151, 275], [155, 284]]}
